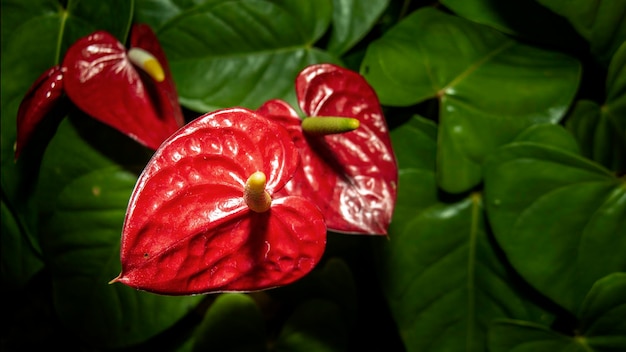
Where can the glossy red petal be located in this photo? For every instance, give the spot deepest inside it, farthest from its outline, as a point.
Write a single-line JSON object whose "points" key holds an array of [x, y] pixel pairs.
{"points": [[351, 176], [187, 229], [142, 36], [42, 97], [102, 82]]}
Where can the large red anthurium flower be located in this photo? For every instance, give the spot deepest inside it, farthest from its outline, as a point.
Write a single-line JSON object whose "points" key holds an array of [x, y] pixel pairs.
{"points": [[131, 90], [103, 82], [352, 176], [205, 215]]}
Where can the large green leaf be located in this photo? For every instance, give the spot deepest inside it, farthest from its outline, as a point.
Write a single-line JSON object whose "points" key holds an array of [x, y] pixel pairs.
{"points": [[603, 311], [601, 130], [233, 323], [602, 328], [82, 198], [489, 86], [19, 258], [523, 336], [599, 135], [80, 146], [156, 13], [315, 325], [554, 135], [558, 217], [352, 20], [325, 305], [15, 13], [81, 244], [439, 270], [243, 52], [512, 17], [601, 22]]}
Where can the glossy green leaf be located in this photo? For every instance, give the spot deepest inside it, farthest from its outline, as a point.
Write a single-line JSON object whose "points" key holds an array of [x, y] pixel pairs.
{"points": [[337, 285], [598, 134], [489, 87], [601, 130], [80, 146], [19, 260], [616, 85], [602, 328], [80, 227], [601, 22], [315, 325], [558, 217], [352, 20], [243, 52], [603, 311], [157, 13], [512, 17], [16, 12], [81, 245], [553, 135], [439, 269], [523, 336], [232, 323], [333, 282]]}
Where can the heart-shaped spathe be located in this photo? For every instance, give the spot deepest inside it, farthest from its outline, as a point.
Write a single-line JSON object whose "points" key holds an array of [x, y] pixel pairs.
{"points": [[351, 176], [188, 229]]}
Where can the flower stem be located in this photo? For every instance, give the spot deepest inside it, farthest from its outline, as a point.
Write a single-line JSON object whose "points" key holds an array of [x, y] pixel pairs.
{"points": [[321, 126], [255, 195]]}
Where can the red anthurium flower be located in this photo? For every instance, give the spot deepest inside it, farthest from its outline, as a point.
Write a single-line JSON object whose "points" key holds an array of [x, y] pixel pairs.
{"points": [[352, 176], [103, 82], [205, 215], [42, 97], [101, 77]]}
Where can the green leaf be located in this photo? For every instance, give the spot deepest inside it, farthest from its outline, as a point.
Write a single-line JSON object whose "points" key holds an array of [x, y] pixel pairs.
{"points": [[157, 13], [602, 313], [315, 325], [81, 145], [20, 259], [439, 270], [243, 52], [512, 17], [553, 135], [81, 244], [523, 336], [557, 217], [16, 12], [599, 135], [352, 20], [337, 285], [603, 327], [601, 130], [601, 22], [232, 323], [333, 282], [489, 87]]}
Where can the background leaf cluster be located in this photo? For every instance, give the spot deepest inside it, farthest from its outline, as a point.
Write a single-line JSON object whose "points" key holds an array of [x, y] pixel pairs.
{"points": [[509, 124]]}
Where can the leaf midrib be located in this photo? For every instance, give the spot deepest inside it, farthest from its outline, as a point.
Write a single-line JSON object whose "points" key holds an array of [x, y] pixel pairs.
{"points": [[473, 67]]}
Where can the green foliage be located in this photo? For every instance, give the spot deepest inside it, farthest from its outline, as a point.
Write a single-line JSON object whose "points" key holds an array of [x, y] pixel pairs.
{"points": [[489, 87], [509, 125]]}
